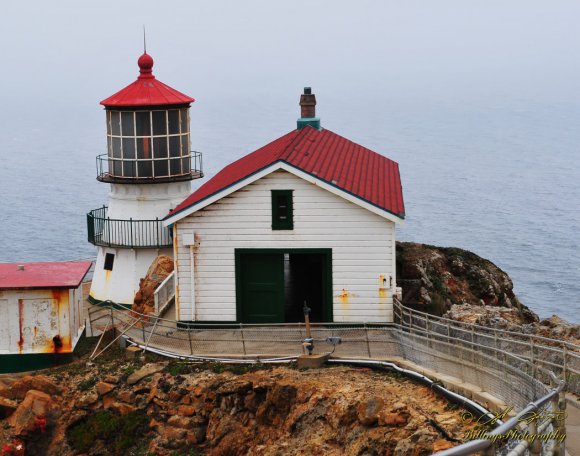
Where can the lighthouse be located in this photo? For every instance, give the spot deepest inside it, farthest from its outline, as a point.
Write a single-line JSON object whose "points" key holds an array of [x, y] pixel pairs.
{"points": [[149, 166]]}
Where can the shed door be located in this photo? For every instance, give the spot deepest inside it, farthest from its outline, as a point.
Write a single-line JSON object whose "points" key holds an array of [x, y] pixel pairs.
{"points": [[40, 324], [261, 278]]}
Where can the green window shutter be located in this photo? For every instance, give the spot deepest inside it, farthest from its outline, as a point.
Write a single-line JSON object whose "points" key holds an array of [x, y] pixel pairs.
{"points": [[282, 210]]}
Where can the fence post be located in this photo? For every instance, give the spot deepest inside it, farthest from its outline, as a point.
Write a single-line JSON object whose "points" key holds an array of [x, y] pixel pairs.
{"points": [[448, 344], [558, 422], [562, 423], [243, 340], [188, 329], [565, 364], [112, 321], [367, 339], [536, 445], [532, 357], [472, 344]]}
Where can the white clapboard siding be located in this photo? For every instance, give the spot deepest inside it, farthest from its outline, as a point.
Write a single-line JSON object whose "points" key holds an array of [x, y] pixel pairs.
{"points": [[362, 246]]}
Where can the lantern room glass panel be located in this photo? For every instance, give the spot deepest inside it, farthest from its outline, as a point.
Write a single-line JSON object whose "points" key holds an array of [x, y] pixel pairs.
{"points": [[148, 143], [173, 121]]}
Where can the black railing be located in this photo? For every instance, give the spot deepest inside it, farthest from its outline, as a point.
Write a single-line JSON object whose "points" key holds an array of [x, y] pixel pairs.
{"points": [[140, 170], [144, 234]]}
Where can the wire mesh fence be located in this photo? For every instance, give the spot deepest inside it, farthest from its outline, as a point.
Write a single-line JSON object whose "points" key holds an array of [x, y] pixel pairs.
{"points": [[512, 367], [525, 351]]}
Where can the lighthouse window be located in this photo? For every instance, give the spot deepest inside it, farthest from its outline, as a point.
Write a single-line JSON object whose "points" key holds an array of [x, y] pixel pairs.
{"points": [[184, 121], [160, 147], [128, 124], [161, 168], [173, 121], [129, 148], [116, 147], [174, 146], [159, 123], [185, 145], [143, 123], [109, 260], [144, 148], [115, 123]]}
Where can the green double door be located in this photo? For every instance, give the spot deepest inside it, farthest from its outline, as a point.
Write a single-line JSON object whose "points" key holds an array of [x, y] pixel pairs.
{"points": [[273, 284], [261, 285]]}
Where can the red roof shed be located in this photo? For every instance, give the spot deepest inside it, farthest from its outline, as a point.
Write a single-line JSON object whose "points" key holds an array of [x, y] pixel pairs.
{"points": [[43, 275]]}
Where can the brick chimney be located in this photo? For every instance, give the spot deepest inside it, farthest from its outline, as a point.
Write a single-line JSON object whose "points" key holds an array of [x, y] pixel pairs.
{"points": [[308, 110]]}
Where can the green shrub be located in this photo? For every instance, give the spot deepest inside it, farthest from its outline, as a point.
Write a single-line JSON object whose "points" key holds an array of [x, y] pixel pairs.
{"points": [[118, 433], [87, 383]]}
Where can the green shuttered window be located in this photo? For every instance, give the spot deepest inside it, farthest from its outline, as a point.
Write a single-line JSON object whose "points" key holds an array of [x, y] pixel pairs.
{"points": [[282, 210]]}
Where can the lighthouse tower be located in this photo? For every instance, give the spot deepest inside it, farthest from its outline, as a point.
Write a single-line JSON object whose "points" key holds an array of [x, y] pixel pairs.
{"points": [[149, 165]]}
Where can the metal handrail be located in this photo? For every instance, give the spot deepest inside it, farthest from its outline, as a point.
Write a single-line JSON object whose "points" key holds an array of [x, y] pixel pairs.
{"points": [[107, 232], [135, 170], [484, 444], [487, 329], [164, 293], [447, 347], [530, 345]]}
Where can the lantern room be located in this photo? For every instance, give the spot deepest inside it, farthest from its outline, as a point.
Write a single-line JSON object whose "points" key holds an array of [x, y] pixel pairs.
{"points": [[148, 137]]}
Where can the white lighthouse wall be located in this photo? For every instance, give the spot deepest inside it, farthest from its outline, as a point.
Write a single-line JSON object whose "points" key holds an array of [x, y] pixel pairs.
{"points": [[32, 318], [145, 201], [136, 202], [122, 283], [362, 243]]}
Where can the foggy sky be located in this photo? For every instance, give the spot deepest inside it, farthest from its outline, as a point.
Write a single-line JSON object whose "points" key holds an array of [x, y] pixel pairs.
{"points": [[74, 52]]}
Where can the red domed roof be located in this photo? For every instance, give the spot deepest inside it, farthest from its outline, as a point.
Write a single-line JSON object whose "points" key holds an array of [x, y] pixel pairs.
{"points": [[146, 90]]}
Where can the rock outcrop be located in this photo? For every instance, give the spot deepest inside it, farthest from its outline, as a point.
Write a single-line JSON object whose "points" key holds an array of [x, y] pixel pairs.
{"points": [[435, 278], [207, 409], [462, 286], [161, 267]]}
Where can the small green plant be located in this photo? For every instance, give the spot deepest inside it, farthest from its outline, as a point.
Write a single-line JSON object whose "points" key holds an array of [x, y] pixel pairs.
{"points": [[119, 433], [178, 368], [87, 383], [129, 370]]}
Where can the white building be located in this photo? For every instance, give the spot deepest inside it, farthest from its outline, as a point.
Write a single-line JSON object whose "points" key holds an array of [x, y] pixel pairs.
{"points": [[41, 309], [149, 166], [309, 217]]}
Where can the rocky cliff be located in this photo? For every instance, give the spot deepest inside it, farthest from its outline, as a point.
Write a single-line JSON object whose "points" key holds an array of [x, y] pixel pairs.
{"points": [[460, 285], [161, 408]]}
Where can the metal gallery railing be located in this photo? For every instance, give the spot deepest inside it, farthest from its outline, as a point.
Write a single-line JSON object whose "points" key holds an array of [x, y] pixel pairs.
{"points": [[496, 370], [130, 233]]}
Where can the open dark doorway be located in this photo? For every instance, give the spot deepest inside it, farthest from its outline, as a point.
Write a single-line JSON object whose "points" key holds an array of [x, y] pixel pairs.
{"points": [[304, 280]]}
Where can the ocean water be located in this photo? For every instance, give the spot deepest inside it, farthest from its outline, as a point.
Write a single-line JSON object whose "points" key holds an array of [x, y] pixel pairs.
{"points": [[498, 177]]}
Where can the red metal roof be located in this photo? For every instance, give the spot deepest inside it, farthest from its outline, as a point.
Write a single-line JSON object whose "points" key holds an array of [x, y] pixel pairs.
{"points": [[43, 275], [146, 90], [325, 155]]}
